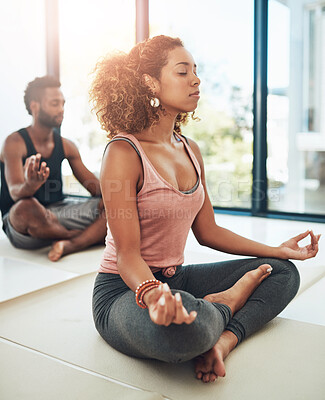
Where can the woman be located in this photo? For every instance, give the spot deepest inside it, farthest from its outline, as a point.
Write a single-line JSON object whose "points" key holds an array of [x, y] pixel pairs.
{"points": [[146, 303]]}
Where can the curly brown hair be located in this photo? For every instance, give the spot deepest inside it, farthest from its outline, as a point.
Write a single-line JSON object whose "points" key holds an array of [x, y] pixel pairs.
{"points": [[119, 95]]}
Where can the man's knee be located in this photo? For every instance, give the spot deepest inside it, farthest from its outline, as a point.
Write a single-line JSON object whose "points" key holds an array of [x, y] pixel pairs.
{"points": [[26, 212], [26, 208]]}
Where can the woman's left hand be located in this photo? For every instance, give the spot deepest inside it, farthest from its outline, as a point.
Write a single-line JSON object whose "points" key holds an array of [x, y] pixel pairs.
{"points": [[291, 249]]}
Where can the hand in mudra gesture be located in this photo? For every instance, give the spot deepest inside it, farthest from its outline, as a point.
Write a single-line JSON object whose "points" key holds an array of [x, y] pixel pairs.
{"points": [[166, 308], [35, 172], [291, 248]]}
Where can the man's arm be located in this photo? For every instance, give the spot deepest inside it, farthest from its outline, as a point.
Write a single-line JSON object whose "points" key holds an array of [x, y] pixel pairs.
{"points": [[22, 180], [80, 171]]}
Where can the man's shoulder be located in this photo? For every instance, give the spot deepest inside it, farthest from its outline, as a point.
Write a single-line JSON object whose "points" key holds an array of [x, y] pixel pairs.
{"points": [[14, 139], [67, 142], [69, 147]]}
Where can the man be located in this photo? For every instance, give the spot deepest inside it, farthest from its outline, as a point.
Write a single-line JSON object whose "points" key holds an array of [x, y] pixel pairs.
{"points": [[35, 212]]}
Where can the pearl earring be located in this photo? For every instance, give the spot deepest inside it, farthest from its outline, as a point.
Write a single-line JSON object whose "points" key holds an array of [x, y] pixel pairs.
{"points": [[154, 102]]}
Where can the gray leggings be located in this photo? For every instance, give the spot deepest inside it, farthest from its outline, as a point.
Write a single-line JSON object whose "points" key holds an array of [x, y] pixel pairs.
{"points": [[129, 329]]}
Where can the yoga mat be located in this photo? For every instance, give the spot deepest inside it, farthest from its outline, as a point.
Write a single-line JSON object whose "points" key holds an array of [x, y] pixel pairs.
{"points": [[285, 360], [80, 263], [26, 375], [18, 277], [308, 306]]}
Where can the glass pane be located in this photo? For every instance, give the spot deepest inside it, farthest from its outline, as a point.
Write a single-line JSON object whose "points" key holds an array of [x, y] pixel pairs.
{"points": [[22, 58], [89, 29], [296, 125], [219, 34]]}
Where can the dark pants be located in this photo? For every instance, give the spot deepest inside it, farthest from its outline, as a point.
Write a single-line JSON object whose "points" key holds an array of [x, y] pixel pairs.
{"points": [[129, 329]]}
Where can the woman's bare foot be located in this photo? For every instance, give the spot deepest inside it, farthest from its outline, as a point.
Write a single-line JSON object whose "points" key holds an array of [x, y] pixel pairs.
{"points": [[211, 364], [237, 295]]}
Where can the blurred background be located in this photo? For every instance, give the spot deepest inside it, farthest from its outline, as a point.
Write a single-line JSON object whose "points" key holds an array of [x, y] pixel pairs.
{"points": [[68, 37]]}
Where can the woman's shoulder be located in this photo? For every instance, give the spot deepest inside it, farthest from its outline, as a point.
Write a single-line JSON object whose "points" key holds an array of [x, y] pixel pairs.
{"points": [[124, 143], [194, 147], [122, 151], [121, 167]]}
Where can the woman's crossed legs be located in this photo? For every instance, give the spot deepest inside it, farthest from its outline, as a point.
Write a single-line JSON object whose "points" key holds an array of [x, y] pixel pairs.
{"points": [[230, 303]]}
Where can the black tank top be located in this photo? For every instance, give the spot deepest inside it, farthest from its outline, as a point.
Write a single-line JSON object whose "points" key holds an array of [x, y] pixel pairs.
{"points": [[51, 190]]}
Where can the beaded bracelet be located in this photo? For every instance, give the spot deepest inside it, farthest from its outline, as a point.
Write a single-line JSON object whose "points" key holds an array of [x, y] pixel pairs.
{"points": [[145, 284], [144, 291], [143, 288]]}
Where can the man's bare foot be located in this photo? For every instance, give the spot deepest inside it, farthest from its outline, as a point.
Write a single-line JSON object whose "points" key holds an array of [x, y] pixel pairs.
{"points": [[58, 250], [211, 364], [237, 295], [63, 247]]}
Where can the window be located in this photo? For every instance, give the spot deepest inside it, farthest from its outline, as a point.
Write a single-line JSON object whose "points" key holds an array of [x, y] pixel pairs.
{"points": [[88, 30], [221, 41], [220, 35], [22, 58], [296, 125]]}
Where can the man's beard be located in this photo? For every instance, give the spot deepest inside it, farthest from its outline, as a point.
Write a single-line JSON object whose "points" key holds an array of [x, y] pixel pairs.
{"points": [[48, 121]]}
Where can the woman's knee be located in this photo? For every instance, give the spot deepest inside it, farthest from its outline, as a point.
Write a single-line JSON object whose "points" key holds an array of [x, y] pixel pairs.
{"points": [[291, 273], [198, 337], [294, 275], [189, 342], [172, 344]]}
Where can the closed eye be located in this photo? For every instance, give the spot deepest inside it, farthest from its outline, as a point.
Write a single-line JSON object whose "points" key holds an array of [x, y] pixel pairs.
{"points": [[185, 73]]}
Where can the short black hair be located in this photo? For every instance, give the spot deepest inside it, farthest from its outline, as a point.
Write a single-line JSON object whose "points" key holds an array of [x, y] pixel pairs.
{"points": [[35, 89]]}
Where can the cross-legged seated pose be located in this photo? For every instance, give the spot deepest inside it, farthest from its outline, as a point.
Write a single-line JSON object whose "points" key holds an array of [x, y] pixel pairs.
{"points": [[146, 303], [35, 212]]}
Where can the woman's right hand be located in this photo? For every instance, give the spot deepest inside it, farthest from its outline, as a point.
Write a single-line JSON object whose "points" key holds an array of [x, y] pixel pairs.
{"points": [[165, 308]]}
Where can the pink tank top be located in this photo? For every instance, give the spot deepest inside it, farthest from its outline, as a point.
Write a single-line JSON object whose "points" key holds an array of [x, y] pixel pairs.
{"points": [[165, 215]]}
